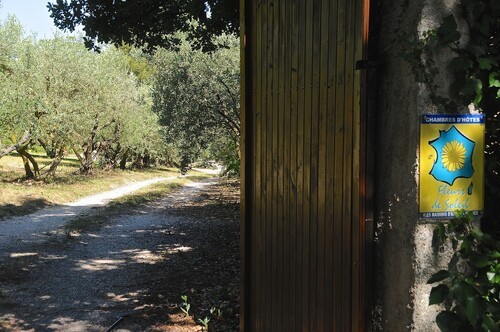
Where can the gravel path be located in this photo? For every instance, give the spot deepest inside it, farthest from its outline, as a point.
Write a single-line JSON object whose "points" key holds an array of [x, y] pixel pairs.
{"points": [[32, 227], [51, 282]]}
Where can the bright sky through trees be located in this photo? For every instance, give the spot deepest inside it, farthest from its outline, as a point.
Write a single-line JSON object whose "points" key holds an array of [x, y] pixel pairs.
{"points": [[33, 15]]}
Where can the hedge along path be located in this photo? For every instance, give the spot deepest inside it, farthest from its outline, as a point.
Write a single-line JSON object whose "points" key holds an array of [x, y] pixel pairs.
{"points": [[33, 227]]}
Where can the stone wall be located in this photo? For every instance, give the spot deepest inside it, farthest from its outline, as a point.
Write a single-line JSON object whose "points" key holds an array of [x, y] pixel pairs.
{"points": [[405, 253]]}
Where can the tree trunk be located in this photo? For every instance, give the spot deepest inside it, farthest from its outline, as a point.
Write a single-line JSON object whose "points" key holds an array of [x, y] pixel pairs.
{"points": [[27, 159], [137, 162], [111, 156], [146, 160], [27, 169], [55, 163], [87, 162], [18, 145], [123, 161], [87, 168], [49, 151]]}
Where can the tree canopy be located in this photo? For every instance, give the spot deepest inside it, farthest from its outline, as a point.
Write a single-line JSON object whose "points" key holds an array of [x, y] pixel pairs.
{"points": [[196, 96], [147, 23], [58, 95]]}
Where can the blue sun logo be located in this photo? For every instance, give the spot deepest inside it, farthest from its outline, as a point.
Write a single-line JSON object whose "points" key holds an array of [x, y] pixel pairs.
{"points": [[454, 156]]}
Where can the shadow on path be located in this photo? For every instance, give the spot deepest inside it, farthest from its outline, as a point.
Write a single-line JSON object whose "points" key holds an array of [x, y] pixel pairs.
{"points": [[139, 265]]}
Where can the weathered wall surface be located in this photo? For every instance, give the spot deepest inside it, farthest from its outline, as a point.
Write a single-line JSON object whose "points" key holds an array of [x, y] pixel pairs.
{"points": [[405, 255]]}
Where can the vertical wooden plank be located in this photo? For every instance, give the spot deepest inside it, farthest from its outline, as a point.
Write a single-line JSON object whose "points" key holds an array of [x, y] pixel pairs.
{"points": [[294, 176], [339, 157], [347, 220], [300, 166], [285, 68], [274, 163], [263, 221], [269, 133], [314, 158], [287, 175], [355, 216], [259, 219], [306, 290], [330, 304], [257, 242], [263, 195], [323, 246], [280, 150]]}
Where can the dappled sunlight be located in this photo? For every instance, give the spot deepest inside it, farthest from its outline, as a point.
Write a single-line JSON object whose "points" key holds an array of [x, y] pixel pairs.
{"points": [[166, 231], [130, 256], [132, 296], [10, 322], [143, 256], [179, 323], [176, 250], [68, 324], [99, 264], [137, 265], [54, 257], [23, 254]]}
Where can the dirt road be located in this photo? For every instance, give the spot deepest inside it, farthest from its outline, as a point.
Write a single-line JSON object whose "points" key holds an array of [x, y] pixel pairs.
{"points": [[137, 266]]}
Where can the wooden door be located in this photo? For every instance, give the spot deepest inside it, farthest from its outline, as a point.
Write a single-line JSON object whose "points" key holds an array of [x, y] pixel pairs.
{"points": [[303, 188]]}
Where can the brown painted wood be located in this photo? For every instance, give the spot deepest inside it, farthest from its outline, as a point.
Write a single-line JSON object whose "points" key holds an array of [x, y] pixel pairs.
{"points": [[256, 258], [293, 206], [303, 186], [301, 284], [340, 141], [267, 254], [322, 159], [330, 267]]}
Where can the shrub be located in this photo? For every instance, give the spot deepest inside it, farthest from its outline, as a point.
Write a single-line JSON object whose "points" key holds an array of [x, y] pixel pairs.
{"points": [[470, 287]]}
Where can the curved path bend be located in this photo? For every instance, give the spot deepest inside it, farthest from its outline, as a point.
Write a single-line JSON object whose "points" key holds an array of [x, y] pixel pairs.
{"points": [[49, 282], [32, 227]]}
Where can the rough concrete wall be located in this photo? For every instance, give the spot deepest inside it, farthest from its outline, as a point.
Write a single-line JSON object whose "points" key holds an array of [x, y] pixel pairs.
{"points": [[405, 254]]}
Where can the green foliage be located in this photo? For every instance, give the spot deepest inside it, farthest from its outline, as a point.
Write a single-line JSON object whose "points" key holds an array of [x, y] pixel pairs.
{"points": [[139, 63], [147, 23], [225, 151], [470, 287], [185, 306], [61, 96], [475, 55], [196, 96], [215, 313], [204, 323]]}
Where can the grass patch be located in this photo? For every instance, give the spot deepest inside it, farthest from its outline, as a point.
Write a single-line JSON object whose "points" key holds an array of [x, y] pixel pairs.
{"points": [[19, 197], [126, 203]]}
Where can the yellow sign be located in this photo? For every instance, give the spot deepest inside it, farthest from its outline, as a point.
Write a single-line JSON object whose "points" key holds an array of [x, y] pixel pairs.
{"points": [[451, 165]]}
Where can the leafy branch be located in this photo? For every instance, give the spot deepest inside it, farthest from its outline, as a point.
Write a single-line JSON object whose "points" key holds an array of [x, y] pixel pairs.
{"points": [[470, 287]]}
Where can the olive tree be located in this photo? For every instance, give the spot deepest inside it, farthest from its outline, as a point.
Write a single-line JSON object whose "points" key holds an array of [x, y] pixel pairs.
{"points": [[21, 106], [196, 95], [65, 98]]}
